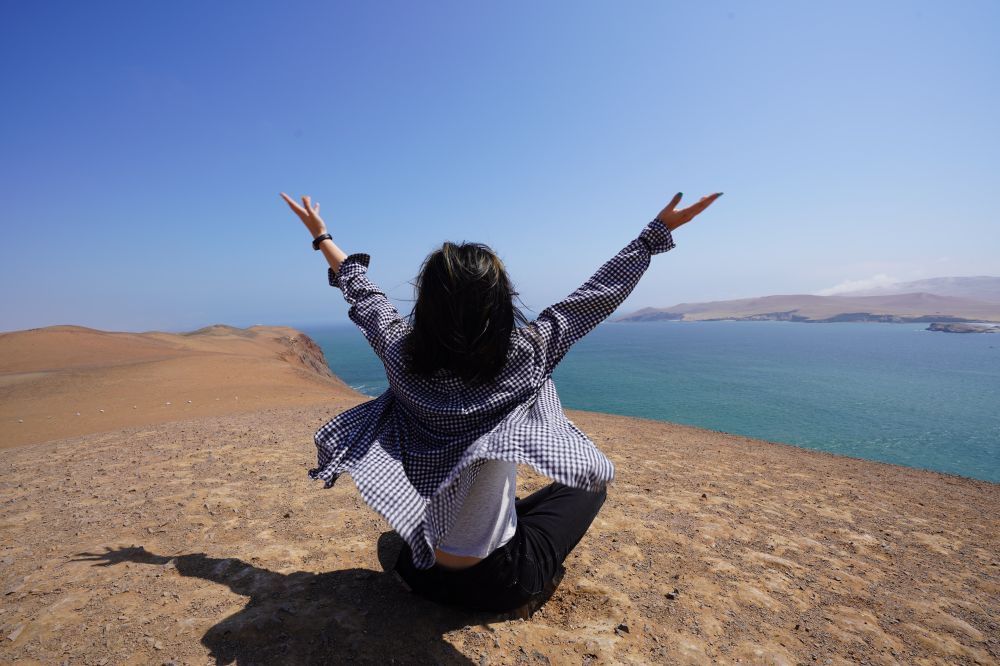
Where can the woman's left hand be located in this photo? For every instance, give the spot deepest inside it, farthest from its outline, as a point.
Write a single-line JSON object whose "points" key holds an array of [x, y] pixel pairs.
{"points": [[309, 214]]}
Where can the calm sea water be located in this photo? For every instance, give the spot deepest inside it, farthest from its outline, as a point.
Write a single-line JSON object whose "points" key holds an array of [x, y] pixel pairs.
{"points": [[889, 392]]}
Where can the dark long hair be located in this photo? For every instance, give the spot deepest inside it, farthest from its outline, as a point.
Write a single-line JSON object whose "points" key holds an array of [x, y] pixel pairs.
{"points": [[464, 314]]}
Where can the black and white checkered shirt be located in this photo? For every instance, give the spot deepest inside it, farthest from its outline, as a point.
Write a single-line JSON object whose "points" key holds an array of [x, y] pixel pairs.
{"points": [[406, 449]]}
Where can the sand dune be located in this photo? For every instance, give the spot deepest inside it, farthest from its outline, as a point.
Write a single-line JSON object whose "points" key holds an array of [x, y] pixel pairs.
{"points": [[203, 541], [55, 381]]}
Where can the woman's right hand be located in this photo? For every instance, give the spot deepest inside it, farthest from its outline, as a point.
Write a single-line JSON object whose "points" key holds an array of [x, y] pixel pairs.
{"points": [[308, 212], [674, 218]]}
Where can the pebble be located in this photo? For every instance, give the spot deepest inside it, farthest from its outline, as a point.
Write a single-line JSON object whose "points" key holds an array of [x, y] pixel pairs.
{"points": [[168, 403], [12, 636]]}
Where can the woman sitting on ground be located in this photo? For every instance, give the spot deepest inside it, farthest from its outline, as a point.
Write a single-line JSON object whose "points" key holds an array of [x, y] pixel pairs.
{"points": [[470, 396]]}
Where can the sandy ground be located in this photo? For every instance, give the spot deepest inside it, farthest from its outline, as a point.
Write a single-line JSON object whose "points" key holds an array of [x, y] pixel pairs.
{"points": [[202, 541]]}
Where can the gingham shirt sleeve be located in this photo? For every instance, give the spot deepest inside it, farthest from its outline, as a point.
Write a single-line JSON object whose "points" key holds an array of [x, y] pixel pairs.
{"points": [[371, 310], [560, 325]]}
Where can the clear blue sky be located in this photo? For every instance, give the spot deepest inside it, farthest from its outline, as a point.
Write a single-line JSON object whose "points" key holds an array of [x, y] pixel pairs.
{"points": [[144, 145]]}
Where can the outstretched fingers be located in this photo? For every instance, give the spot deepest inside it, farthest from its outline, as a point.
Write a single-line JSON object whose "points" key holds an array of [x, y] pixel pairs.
{"points": [[702, 204], [294, 206], [673, 202]]}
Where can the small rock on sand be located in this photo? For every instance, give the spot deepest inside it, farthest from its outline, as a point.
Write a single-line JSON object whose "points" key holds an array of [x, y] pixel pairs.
{"points": [[12, 636]]}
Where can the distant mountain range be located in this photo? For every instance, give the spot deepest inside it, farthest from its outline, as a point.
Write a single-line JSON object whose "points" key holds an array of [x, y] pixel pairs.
{"points": [[943, 299]]}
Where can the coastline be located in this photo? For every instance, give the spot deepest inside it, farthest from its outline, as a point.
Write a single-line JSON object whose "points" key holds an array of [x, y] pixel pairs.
{"points": [[773, 381]]}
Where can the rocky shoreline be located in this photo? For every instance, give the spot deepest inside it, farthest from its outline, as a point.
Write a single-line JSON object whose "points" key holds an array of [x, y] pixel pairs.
{"points": [[963, 328]]}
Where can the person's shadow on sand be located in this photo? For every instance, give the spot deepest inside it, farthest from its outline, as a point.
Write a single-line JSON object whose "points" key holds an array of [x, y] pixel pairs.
{"points": [[349, 616]]}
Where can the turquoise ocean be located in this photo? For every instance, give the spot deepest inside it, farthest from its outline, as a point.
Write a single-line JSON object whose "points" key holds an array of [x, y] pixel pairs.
{"points": [[890, 392]]}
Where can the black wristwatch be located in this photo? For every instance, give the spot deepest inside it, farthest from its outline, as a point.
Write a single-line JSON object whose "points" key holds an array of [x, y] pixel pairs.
{"points": [[319, 239]]}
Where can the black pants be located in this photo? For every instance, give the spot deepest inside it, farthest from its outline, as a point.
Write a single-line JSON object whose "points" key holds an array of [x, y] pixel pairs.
{"points": [[550, 522]]}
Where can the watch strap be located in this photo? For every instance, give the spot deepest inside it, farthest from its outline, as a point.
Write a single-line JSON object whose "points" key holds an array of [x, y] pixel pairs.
{"points": [[319, 239]]}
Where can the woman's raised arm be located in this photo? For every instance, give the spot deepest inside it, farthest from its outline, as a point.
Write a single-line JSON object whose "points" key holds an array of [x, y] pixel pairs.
{"points": [[370, 310], [561, 325]]}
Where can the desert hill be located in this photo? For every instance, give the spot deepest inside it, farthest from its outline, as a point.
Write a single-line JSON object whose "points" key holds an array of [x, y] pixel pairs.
{"points": [[975, 287], [910, 307], [50, 375], [942, 299]]}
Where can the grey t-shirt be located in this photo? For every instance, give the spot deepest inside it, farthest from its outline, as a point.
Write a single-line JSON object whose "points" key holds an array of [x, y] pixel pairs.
{"points": [[487, 519]]}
